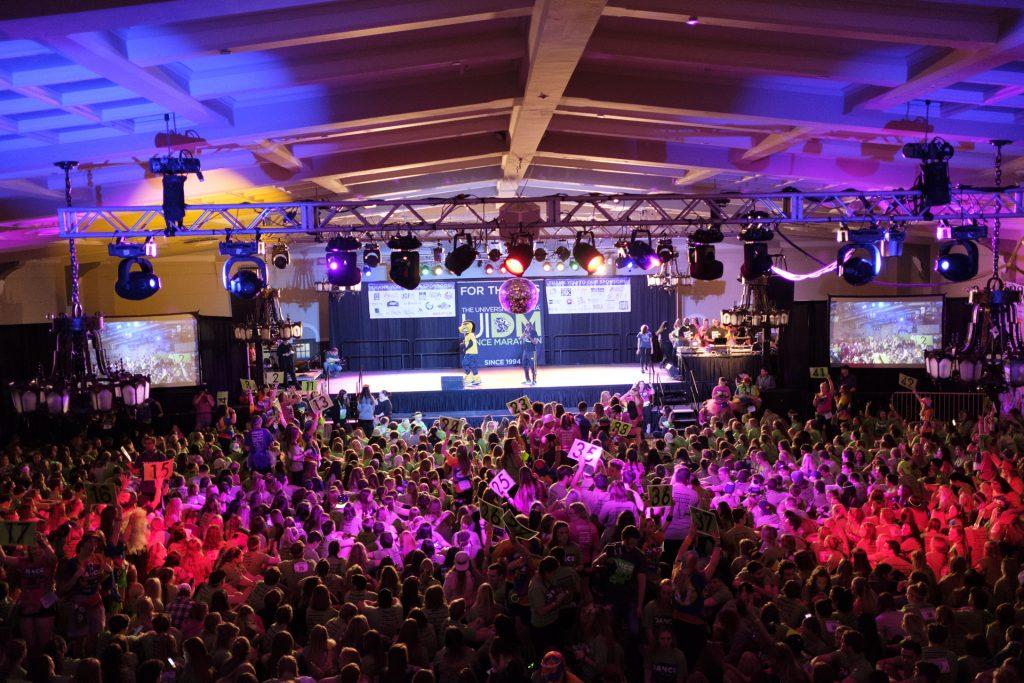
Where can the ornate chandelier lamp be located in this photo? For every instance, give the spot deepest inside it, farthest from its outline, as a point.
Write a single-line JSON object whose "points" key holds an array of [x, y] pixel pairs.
{"points": [[992, 353], [756, 310], [80, 374], [668, 276], [266, 322]]}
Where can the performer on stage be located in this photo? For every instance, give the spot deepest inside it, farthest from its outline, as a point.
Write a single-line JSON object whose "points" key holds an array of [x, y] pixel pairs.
{"points": [[530, 342], [470, 354], [332, 362], [286, 360], [643, 347]]}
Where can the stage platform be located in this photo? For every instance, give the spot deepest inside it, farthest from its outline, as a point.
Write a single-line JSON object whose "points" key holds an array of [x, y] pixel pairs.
{"points": [[413, 390]]}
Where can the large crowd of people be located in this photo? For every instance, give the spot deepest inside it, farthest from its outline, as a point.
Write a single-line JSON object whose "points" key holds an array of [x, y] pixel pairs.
{"points": [[275, 543]]}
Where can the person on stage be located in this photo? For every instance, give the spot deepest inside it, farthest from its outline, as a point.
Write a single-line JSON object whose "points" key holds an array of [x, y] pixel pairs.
{"points": [[286, 360], [643, 347], [530, 342], [658, 348], [332, 362], [470, 354]]}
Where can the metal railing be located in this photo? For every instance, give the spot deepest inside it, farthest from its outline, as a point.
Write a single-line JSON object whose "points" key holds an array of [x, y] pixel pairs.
{"points": [[612, 347], [383, 352], [946, 404], [452, 351]]}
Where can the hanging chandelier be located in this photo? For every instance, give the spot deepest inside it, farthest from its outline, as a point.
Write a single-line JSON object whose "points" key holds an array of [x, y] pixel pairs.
{"points": [[80, 376], [756, 310], [668, 276], [266, 323], [992, 353]]}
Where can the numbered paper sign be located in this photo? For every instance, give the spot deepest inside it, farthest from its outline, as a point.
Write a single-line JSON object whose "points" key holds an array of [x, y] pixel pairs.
{"points": [[659, 495], [908, 382], [492, 514], [517, 528], [620, 428], [819, 373], [307, 385], [222, 397], [584, 452], [17, 533], [502, 483], [704, 521], [520, 405], [248, 384], [274, 377], [320, 403], [101, 494], [157, 471]]}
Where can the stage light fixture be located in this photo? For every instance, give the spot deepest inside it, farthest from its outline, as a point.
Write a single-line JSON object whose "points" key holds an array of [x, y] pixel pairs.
{"points": [[560, 266], [279, 255], [540, 254], [585, 253], [342, 263], [562, 253], [957, 261], [520, 254], [438, 252], [666, 251], [701, 253], [933, 182], [859, 260], [462, 255], [244, 283], [371, 255], [573, 265], [135, 285], [488, 269], [405, 260], [494, 255], [755, 236], [546, 267], [640, 250]]}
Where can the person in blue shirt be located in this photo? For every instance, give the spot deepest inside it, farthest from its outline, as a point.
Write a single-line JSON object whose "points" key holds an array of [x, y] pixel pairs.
{"points": [[332, 362], [258, 441], [644, 345]]}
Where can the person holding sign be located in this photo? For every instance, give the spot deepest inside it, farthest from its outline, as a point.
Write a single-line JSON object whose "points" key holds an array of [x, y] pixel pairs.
{"points": [[37, 601], [470, 353], [529, 341], [824, 400]]}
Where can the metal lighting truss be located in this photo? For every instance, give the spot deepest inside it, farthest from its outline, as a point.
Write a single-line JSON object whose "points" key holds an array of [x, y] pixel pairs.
{"points": [[607, 215]]}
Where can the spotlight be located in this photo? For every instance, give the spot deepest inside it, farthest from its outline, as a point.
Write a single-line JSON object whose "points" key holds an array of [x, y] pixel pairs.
{"points": [[173, 201], [462, 255], [755, 236], [934, 179], [279, 255], [666, 252], [574, 265], [405, 260], [641, 252], [136, 285], [892, 241], [957, 266], [540, 254], [488, 269], [701, 253], [494, 255], [560, 266], [520, 254], [585, 253], [244, 283], [546, 267], [860, 259], [438, 253], [342, 267], [371, 255], [693, 20], [562, 253]]}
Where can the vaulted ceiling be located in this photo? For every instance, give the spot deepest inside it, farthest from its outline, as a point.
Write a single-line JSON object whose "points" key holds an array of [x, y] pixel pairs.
{"points": [[388, 99]]}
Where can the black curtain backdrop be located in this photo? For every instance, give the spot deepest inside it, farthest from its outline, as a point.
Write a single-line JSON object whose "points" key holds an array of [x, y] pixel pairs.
{"points": [[413, 343]]}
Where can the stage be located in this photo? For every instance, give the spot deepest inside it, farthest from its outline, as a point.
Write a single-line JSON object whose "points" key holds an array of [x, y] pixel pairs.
{"points": [[413, 390]]}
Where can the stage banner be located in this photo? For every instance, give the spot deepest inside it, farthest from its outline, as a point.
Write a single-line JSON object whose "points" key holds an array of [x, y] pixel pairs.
{"points": [[430, 300], [497, 332], [589, 295]]}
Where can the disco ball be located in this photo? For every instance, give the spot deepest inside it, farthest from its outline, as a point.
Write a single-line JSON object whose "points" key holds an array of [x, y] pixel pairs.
{"points": [[518, 295]]}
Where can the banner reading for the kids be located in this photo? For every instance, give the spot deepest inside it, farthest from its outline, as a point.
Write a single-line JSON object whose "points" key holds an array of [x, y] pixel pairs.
{"points": [[498, 333]]}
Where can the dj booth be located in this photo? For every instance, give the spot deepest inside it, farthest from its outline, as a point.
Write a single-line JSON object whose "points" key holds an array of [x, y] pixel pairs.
{"points": [[709, 363]]}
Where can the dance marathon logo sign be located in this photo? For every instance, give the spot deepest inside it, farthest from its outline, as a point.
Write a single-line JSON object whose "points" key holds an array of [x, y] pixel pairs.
{"points": [[497, 332]]}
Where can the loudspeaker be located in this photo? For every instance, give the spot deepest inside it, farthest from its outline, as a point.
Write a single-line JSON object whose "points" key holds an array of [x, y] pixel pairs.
{"points": [[780, 291], [451, 383]]}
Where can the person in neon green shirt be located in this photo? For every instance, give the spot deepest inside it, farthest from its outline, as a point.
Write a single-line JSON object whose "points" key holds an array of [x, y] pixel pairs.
{"points": [[470, 353]]}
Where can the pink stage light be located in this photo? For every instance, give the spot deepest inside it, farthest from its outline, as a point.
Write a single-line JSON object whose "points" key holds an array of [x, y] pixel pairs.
{"points": [[800, 277]]}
